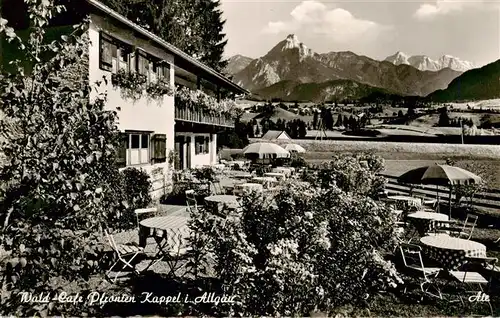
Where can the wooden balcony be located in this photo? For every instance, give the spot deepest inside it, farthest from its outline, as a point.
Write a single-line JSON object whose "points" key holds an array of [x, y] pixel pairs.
{"points": [[202, 116]]}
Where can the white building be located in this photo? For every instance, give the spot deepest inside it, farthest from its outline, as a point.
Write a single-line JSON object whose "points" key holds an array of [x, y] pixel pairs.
{"points": [[156, 130]]}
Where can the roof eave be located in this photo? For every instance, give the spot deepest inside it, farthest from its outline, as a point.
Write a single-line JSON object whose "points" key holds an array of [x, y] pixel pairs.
{"points": [[177, 52]]}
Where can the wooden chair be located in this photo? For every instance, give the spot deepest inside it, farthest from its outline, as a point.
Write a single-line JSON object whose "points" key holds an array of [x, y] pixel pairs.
{"points": [[412, 259], [215, 188], [125, 255], [471, 278], [191, 200]]}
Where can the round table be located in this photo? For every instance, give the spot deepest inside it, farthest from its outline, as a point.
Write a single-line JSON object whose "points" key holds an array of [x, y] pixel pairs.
{"points": [[248, 187], [242, 176], [167, 227], [231, 201], [264, 180], [451, 251], [286, 171], [424, 221], [277, 175], [411, 201]]}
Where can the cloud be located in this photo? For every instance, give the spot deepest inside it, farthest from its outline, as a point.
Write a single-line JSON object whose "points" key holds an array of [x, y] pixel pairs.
{"points": [[277, 27], [315, 17], [443, 7]]}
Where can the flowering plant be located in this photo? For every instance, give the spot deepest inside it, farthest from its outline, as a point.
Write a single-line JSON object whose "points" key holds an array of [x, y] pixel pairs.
{"points": [[132, 84], [198, 99], [307, 248]]}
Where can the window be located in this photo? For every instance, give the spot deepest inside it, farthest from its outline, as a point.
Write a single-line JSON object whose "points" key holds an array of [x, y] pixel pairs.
{"points": [[134, 149], [201, 145], [114, 55], [108, 53], [141, 148], [162, 70], [159, 145], [142, 64]]}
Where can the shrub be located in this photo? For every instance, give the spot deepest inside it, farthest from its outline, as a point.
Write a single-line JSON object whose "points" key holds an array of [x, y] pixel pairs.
{"points": [[311, 249], [297, 161], [353, 174], [133, 187], [59, 167]]}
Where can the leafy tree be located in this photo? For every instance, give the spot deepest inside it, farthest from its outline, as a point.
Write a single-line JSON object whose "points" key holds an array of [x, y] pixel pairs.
{"points": [[444, 118], [59, 146], [339, 121], [315, 120], [257, 130], [196, 27]]}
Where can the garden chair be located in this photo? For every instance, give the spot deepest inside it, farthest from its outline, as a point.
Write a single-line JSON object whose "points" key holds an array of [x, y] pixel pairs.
{"points": [[178, 254], [412, 259], [125, 255], [465, 231], [215, 187], [471, 278], [191, 200]]}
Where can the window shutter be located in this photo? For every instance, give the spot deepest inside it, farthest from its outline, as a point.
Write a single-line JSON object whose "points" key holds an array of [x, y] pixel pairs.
{"points": [[207, 144], [121, 152], [159, 148]]}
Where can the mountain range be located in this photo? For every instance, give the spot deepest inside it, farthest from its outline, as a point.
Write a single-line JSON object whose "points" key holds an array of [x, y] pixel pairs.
{"points": [[337, 74], [476, 84], [425, 63]]}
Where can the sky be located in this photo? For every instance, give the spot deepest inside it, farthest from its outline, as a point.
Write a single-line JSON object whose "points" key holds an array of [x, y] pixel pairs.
{"points": [[469, 30]]}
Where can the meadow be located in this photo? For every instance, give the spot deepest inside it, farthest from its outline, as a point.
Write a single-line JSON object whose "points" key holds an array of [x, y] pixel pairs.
{"points": [[401, 157]]}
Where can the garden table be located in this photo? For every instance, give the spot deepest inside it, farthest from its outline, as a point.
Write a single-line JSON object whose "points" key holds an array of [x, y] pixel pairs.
{"points": [[242, 176], [169, 232], [424, 221], [284, 170], [231, 201], [219, 166], [277, 175], [406, 200], [449, 251], [240, 188], [266, 181]]}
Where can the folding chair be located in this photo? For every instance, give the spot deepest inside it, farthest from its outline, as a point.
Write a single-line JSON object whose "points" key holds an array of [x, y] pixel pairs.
{"points": [[471, 278], [465, 231], [215, 187], [179, 251], [412, 259], [125, 254], [191, 200]]}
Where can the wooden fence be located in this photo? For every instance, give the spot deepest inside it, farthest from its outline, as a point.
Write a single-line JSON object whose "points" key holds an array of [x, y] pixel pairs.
{"points": [[488, 200]]}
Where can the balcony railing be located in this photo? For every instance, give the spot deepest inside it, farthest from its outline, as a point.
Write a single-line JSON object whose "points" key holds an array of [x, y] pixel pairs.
{"points": [[202, 116]]}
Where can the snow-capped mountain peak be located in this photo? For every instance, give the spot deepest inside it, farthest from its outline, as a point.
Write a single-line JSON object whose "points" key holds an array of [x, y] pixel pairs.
{"points": [[398, 58], [425, 63], [291, 42]]}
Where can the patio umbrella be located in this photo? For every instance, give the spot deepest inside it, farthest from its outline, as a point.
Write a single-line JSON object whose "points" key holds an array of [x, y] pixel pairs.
{"points": [[294, 148], [265, 150], [439, 175]]}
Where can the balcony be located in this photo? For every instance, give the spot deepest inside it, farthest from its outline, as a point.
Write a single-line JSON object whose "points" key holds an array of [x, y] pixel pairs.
{"points": [[202, 116], [195, 106]]}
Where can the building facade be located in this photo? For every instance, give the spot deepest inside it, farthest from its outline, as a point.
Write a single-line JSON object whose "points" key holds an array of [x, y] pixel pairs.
{"points": [[161, 130]]}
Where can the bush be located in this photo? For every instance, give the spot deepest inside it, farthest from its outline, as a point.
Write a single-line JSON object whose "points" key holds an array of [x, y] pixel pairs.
{"points": [[133, 187], [353, 174], [297, 162], [59, 168], [310, 249]]}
